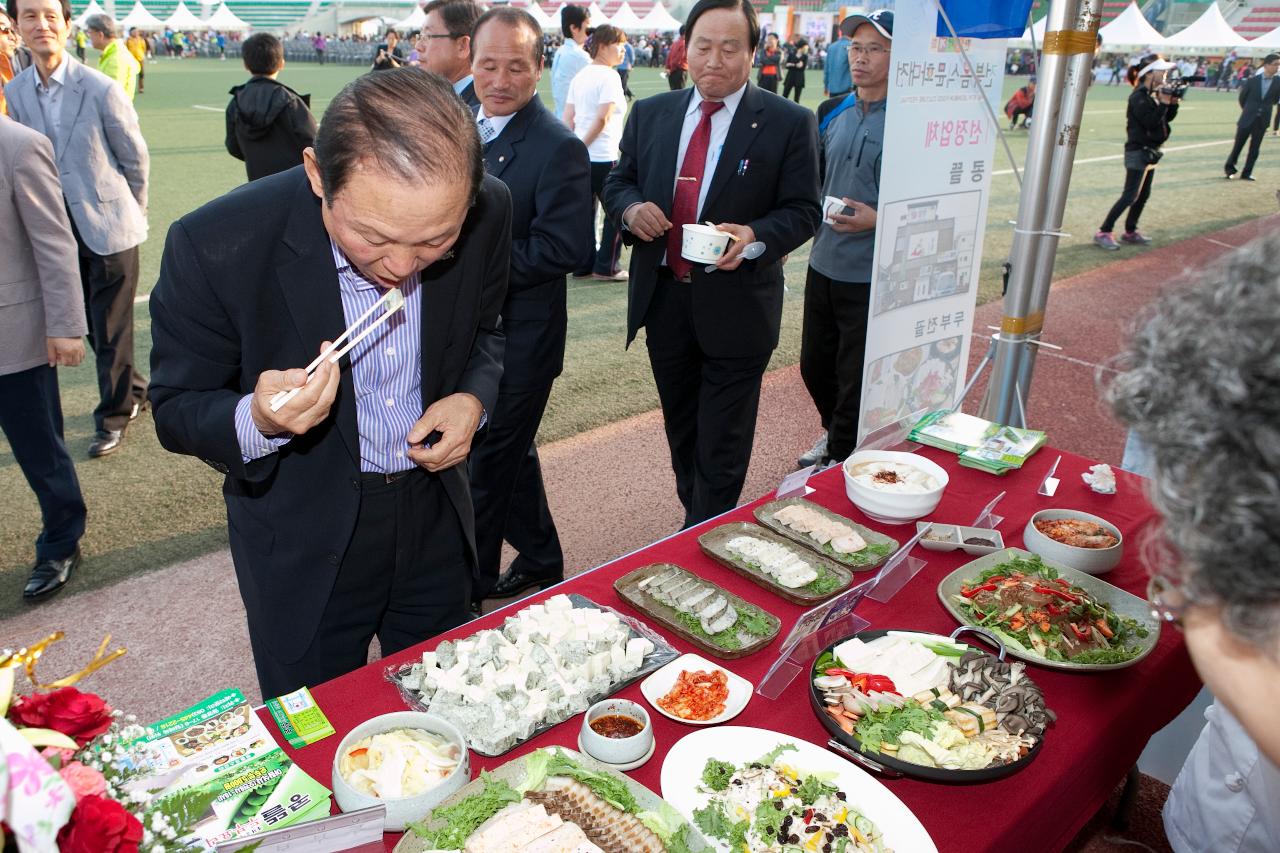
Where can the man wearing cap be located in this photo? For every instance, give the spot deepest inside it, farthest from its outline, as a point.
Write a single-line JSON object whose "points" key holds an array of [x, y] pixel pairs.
{"points": [[726, 152], [837, 290], [1258, 95]]}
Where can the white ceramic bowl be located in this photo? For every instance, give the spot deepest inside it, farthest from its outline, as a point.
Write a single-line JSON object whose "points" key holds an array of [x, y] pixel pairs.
{"points": [[404, 809], [614, 750], [1092, 561], [888, 507], [703, 243]]}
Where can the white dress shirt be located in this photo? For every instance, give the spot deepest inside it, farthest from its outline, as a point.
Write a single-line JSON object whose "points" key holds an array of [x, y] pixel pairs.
{"points": [[1225, 798], [720, 121], [498, 123], [50, 99]]}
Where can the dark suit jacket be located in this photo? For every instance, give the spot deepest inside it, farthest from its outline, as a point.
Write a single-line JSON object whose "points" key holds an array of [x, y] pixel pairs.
{"points": [[468, 95], [247, 284], [1253, 106], [777, 193], [549, 174]]}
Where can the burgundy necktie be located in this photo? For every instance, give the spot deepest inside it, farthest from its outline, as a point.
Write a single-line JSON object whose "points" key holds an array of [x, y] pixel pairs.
{"points": [[684, 206]]}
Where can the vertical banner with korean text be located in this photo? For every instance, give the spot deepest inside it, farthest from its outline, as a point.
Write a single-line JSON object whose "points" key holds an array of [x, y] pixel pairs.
{"points": [[939, 145]]}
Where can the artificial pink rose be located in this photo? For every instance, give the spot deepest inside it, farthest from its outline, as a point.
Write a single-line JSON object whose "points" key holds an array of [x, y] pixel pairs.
{"points": [[80, 716], [84, 781]]}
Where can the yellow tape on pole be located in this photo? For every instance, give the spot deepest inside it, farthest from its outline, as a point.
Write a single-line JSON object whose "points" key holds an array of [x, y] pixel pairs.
{"points": [[1070, 42], [1022, 325]]}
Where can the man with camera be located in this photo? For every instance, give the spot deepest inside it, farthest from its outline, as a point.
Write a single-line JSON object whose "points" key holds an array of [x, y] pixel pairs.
{"points": [[1258, 95], [1151, 107]]}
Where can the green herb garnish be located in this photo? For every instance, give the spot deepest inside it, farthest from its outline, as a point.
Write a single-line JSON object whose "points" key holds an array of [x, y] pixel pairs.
{"points": [[769, 818], [754, 622], [887, 724], [716, 774], [726, 639], [771, 756], [812, 788], [713, 823], [461, 819], [826, 581]]}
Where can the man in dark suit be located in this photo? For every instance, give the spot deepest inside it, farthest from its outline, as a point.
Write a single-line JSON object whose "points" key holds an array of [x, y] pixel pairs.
{"points": [[349, 511], [444, 45], [730, 153], [1258, 95], [549, 174]]}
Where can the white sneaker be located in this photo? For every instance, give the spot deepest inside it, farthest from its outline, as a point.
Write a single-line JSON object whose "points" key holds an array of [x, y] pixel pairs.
{"points": [[815, 454]]}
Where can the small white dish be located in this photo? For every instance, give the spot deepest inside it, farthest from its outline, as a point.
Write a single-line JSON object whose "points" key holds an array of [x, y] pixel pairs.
{"points": [[630, 765], [660, 683], [616, 750], [703, 243], [948, 536]]}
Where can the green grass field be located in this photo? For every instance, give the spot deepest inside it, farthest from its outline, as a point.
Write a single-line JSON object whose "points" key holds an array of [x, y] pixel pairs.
{"points": [[149, 508]]}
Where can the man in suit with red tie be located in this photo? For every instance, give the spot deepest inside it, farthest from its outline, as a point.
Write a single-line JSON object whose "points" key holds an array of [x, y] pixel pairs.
{"points": [[731, 153]]}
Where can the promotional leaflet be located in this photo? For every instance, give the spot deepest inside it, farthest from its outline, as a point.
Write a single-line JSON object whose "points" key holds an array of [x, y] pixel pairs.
{"points": [[220, 747]]}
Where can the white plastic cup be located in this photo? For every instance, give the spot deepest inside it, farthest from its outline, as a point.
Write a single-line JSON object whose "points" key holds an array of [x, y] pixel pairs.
{"points": [[831, 206], [703, 244]]}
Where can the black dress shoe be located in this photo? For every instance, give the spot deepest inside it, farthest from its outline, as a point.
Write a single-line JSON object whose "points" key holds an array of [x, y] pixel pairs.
{"points": [[517, 581], [105, 441], [1248, 178], [50, 576]]}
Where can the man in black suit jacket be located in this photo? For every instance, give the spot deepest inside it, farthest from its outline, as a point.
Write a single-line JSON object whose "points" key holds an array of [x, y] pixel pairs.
{"points": [[348, 511], [710, 334], [549, 174], [1258, 95], [444, 45]]}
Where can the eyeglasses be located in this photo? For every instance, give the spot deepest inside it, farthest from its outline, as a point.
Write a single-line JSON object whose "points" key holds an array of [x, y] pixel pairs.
{"points": [[1167, 599], [5, 31], [871, 51], [439, 36]]}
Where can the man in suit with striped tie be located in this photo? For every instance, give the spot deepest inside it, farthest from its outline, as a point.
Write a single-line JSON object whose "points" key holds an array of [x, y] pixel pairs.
{"points": [[731, 153], [1258, 95], [546, 169]]}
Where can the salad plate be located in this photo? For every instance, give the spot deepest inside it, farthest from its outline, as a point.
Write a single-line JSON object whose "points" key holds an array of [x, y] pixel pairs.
{"points": [[904, 703], [1093, 626], [553, 796], [853, 812]]}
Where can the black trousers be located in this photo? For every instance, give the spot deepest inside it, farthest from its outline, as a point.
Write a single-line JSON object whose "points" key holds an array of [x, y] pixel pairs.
{"points": [[110, 284], [768, 82], [31, 418], [507, 490], [709, 405], [790, 87], [606, 262], [625, 74], [833, 348], [1251, 133], [675, 79], [1137, 189], [406, 576]]}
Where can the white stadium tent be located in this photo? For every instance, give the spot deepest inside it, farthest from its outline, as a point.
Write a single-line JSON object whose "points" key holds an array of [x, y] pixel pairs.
{"points": [[544, 20], [627, 20], [597, 14], [142, 19], [92, 9], [183, 19], [1037, 29], [415, 21], [1267, 41], [1130, 29], [224, 20], [1208, 32], [660, 20]]}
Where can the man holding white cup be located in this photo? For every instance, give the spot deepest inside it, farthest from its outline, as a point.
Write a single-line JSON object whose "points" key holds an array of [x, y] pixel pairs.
{"points": [[727, 152], [837, 291]]}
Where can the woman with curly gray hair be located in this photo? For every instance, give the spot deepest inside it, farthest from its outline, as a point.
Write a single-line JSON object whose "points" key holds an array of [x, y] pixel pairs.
{"points": [[1202, 393]]}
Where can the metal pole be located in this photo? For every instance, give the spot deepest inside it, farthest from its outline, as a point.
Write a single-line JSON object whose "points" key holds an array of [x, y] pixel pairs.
{"points": [[1080, 46], [999, 404]]}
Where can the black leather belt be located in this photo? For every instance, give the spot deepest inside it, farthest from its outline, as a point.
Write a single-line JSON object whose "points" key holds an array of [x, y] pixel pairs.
{"points": [[377, 478], [669, 273]]}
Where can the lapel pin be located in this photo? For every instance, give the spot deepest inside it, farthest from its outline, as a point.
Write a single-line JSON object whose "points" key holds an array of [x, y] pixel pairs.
{"points": [[502, 158], [754, 125]]}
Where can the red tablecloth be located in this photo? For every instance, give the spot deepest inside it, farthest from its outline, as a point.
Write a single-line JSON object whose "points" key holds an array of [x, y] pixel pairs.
{"points": [[1104, 719]]}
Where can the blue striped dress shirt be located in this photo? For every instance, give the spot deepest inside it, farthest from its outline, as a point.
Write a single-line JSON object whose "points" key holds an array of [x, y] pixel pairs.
{"points": [[386, 368]]}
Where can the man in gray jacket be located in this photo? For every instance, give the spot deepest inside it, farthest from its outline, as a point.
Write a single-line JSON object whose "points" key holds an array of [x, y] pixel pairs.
{"points": [[41, 325], [103, 162]]}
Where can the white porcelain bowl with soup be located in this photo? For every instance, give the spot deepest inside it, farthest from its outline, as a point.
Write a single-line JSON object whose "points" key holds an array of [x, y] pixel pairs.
{"points": [[893, 487], [617, 731], [413, 778], [703, 243], [1092, 555]]}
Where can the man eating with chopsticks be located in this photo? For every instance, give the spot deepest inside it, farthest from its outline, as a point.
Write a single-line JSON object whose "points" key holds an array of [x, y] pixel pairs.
{"points": [[348, 512]]}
